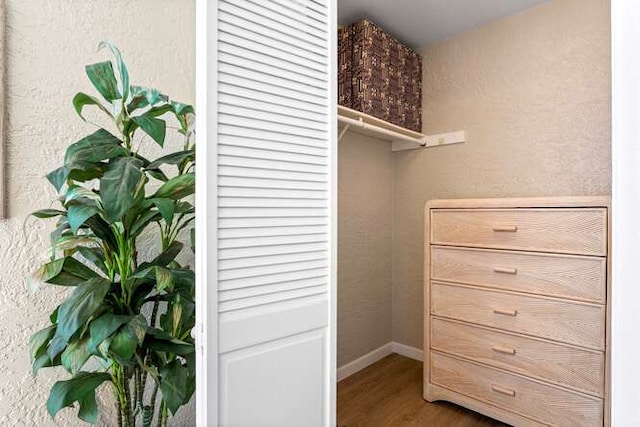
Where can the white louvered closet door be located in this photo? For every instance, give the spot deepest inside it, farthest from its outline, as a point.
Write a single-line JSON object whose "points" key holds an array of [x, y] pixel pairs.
{"points": [[275, 212]]}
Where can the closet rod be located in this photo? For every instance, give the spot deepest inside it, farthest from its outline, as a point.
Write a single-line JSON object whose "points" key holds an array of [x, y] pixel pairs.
{"points": [[395, 136]]}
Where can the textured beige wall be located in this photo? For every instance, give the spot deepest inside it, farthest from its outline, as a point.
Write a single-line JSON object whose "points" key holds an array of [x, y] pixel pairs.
{"points": [[48, 44], [364, 246], [533, 93]]}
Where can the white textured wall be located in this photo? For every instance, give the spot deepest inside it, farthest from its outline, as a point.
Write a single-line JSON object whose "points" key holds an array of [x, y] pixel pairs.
{"points": [[533, 93], [48, 44], [364, 245]]}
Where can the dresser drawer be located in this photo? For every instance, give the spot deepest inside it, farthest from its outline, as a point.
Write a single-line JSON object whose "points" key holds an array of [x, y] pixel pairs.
{"points": [[544, 403], [570, 231], [565, 276], [561, 364], [576, 323]]}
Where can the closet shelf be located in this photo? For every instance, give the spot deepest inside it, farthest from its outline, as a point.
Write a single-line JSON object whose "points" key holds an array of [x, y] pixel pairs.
{"points": [[401, 138]]}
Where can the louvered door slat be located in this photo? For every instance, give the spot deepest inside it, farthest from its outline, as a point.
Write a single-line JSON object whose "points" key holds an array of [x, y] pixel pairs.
{"points": [[243, 19], [267, 135], [290, 16], [275, 99], [277, 51], [272, 20], [270, 154], [233, 294]]}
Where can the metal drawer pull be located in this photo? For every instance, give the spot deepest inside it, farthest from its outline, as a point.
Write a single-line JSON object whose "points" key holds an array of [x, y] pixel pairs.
{"points": [[503, 390], [506, 228], [505, 312], [505, 270], [504, 350]]}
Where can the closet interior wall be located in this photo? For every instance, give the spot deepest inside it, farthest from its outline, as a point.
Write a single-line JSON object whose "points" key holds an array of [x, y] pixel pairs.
{"points": [[364, 245], [532, 91]]}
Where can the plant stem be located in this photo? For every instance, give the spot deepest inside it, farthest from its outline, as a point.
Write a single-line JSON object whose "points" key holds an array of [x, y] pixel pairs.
{"points": [[121, 391], [154, 396], [163, 414], [139, 389], [119, 407], [154, 312], [160, 414], [128, 415]]}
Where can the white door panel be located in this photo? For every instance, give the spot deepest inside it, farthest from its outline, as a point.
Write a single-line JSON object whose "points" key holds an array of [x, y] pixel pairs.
{"points": [[288, 393], [270, 214]]}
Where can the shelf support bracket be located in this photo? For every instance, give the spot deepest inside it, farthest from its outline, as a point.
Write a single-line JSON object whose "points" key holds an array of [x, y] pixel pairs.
{"points": [[343, 131]]}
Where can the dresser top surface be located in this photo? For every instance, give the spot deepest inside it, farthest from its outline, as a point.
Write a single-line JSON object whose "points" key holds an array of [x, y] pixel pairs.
{"points": [[521, 202]]}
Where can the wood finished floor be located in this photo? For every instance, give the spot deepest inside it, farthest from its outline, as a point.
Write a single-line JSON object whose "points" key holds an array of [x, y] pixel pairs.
{"points": [[389, 394]]}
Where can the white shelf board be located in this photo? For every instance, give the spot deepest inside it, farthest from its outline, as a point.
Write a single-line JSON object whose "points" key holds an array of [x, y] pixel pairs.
{"points": [[401, 138]]}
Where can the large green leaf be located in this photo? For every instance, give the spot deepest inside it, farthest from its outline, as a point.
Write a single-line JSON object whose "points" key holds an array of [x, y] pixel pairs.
{"points": [[86, 171], [181, 109], [164, 279], [122, 68], [58, 177], [40, 339], [155, 128], [42, 360], [93, 255], [98, 146], [38, 347], [173, 384], [170, 346], [143, 220], [176, 317], [77, 310], [120, 185], [178, 187], [76, 355], [79, 213], [66, 271], [77, 192], [81, 100], [169, 254], [104, 80], [101, 229], [65, 393], [173, 159], [78, 171], [184, 277], [160, 341], [88, 411], [47, 213], [166, 207], [128, 338], [69, 242], [144, 97], [102, 327]]}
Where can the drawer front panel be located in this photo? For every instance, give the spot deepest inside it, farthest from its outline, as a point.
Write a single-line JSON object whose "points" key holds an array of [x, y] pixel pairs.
{"points": [[580, 324], [582, 278], [544, 403], [563, 365], [570, 231]]}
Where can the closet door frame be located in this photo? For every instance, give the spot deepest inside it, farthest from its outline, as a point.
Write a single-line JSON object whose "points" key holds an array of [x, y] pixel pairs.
{"points": [[206, 268], [625, 317], [206, 328]]}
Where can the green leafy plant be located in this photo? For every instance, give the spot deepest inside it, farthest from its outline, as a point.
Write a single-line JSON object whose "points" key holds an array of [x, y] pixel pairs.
{"points": [[126, 321]]}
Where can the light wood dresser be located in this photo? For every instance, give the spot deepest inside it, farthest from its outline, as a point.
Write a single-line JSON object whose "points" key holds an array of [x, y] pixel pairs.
{"points": [[517, 308]]}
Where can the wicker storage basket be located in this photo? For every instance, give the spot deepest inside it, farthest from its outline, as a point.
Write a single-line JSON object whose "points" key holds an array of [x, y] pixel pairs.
{"points": [[385, 75], [345, 51]]}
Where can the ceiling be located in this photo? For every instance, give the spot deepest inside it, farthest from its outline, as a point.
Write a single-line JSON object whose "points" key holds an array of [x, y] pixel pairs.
{"points": [[421, 22]]}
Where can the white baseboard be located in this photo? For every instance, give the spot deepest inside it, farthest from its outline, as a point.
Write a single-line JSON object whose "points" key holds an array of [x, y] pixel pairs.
{"points": [[406, 351], [375, 355], [362, 362]]}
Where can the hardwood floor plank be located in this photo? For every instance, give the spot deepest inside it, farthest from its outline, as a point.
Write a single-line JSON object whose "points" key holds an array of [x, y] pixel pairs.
{"points": [[389, 394]]}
